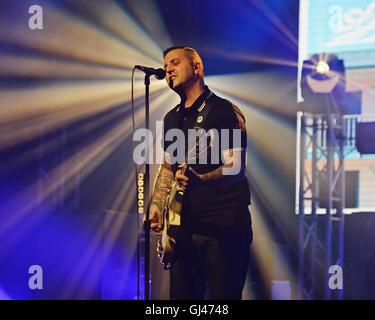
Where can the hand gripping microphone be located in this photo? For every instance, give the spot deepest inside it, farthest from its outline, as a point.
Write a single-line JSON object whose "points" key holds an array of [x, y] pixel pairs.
{"points": [[158, 73]]}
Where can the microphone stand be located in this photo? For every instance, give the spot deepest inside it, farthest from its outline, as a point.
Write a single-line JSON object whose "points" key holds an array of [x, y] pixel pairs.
{"points": [[147, 223], [159, 74]]}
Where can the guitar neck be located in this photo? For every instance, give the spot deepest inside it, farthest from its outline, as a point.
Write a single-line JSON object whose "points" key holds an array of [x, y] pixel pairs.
{"points": [[184, 168]]}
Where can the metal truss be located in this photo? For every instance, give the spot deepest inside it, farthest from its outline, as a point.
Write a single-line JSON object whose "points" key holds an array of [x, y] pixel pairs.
{"points": [[319, 202]]}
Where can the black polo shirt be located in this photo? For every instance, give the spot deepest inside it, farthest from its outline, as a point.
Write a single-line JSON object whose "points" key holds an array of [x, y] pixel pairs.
{"points": [[211, 208]]}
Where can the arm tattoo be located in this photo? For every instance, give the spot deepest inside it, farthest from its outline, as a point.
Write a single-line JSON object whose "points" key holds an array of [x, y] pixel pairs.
{"points": [[162, 183], [214, 174], [218, 174]]}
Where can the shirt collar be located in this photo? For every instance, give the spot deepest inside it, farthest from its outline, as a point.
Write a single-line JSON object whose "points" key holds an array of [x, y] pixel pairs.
{"points": [[197, 103]]}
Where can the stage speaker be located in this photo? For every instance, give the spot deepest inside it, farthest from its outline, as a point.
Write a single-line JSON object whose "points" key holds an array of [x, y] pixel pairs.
{"points": [[359, 256], [365, 137]]}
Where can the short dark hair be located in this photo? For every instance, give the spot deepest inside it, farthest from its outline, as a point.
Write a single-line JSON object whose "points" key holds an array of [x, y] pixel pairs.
{"points": [[191, 54], [186, 48]]}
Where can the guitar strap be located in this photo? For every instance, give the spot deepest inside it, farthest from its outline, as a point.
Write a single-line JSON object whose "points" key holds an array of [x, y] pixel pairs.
{"points": [[200, 121], [171, 233], [202, 115], [203, 110], [174, 218]]}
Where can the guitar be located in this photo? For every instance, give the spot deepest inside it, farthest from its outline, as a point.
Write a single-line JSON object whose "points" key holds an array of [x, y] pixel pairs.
{"points": [[170, 217], [170, 223]]}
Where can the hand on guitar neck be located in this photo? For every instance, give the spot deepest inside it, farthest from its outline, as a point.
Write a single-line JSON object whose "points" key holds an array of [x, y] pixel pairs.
{"points": [[187, 175]]}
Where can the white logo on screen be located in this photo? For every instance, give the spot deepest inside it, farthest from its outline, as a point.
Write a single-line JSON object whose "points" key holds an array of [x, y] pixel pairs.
{"points": [[353, 26]]}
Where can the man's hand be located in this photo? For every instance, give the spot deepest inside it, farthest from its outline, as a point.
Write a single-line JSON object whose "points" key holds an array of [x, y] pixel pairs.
{"points": [[201, 177], [181, 179], [155, 219]]}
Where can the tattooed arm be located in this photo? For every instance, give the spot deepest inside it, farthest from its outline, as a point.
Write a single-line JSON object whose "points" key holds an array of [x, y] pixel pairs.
{"points": [[163, 181], [233, 169], [234, 159]]}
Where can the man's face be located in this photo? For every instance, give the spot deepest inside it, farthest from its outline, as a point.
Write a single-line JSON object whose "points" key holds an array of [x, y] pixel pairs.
{"points": [[178, 68]]}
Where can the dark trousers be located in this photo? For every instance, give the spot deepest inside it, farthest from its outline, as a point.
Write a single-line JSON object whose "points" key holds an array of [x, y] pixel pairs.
{"points": [[220, 262]]}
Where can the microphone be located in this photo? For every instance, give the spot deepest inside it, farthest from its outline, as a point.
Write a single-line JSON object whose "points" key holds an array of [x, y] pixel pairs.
{"points": [[158, 73]]}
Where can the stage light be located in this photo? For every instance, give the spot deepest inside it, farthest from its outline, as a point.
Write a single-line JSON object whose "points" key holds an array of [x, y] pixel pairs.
{"points": [[323, 84], [322, 67]]}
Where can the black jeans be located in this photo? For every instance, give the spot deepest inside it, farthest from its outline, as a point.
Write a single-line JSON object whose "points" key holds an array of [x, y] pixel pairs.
{"points": [[220, 262]]}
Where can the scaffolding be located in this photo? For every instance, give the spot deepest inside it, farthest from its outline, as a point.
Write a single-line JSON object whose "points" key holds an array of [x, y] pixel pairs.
{"points": [[320, 185]]}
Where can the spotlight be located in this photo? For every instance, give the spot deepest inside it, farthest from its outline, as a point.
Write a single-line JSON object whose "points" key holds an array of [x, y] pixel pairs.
{"points": [[322, 67], [323, 84]]}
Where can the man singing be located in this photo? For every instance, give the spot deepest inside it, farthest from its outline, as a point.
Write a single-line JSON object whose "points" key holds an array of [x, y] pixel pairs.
{"points": [[212, 246]]}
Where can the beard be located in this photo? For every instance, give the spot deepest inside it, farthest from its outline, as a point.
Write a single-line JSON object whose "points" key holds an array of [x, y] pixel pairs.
{"points": [[170, 84]]}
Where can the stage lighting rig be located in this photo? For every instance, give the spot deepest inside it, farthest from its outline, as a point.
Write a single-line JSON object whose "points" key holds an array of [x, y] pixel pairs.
{"points": [[323, 84], [321, 184]]}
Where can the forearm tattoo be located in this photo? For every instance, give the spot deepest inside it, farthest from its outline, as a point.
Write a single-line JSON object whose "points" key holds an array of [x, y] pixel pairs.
{"points": [[162, 183], [217, 174], [212, 175]]}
